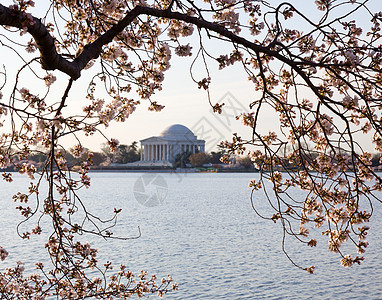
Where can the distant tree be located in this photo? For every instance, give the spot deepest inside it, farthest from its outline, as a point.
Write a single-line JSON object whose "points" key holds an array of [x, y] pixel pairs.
{"points": [[215, 157], [105, 150], [98, 158], [38, 157], [376, 160], [134, 152], [134, 147], [122, 155], [95, 158], [182, 160], [245, 161], [71, 161], [199, 159], [126, 154]]}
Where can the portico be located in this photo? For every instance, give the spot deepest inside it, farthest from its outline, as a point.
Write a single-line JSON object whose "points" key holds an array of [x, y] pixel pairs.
{"points": [[174, 140]]}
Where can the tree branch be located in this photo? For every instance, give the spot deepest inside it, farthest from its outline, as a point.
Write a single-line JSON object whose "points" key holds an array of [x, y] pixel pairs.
{"points": [[51, 60]]}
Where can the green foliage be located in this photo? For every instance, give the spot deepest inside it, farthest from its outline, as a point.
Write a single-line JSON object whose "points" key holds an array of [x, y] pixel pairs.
{"points": [[126, 154]]}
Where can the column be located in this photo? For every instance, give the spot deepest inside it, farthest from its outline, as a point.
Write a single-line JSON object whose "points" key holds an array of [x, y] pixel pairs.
{"points": [[142, 147]]}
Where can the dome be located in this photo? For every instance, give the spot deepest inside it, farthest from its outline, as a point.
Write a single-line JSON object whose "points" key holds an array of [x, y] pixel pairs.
{"points": [[178, 132]]}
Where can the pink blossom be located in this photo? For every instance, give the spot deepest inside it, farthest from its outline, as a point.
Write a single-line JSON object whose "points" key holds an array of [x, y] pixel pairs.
{"points": [[184, 50], [3, 253], [49, 79]]}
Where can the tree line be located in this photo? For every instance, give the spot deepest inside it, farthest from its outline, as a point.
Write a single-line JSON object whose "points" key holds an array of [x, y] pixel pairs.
{"points": [[131, 153]]}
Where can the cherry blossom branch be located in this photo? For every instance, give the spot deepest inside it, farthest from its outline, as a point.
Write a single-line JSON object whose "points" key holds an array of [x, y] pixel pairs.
{"points": [[51, 60]]}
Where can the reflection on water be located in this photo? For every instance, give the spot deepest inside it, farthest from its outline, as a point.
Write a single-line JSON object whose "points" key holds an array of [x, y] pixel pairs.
{"points": [[203, 232]]}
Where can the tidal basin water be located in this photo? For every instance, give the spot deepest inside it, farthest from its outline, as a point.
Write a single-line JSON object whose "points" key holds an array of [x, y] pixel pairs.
{"points": [[201, 229]]}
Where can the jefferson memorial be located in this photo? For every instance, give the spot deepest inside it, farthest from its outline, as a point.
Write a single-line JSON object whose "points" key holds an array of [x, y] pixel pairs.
{"points": [[174, 140]]}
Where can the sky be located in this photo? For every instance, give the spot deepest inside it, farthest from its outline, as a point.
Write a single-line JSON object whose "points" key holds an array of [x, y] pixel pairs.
{"points": [[184, 103]]}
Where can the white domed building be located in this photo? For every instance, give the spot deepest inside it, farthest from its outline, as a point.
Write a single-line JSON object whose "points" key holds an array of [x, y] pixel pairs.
{"points": [[174, 140]]}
